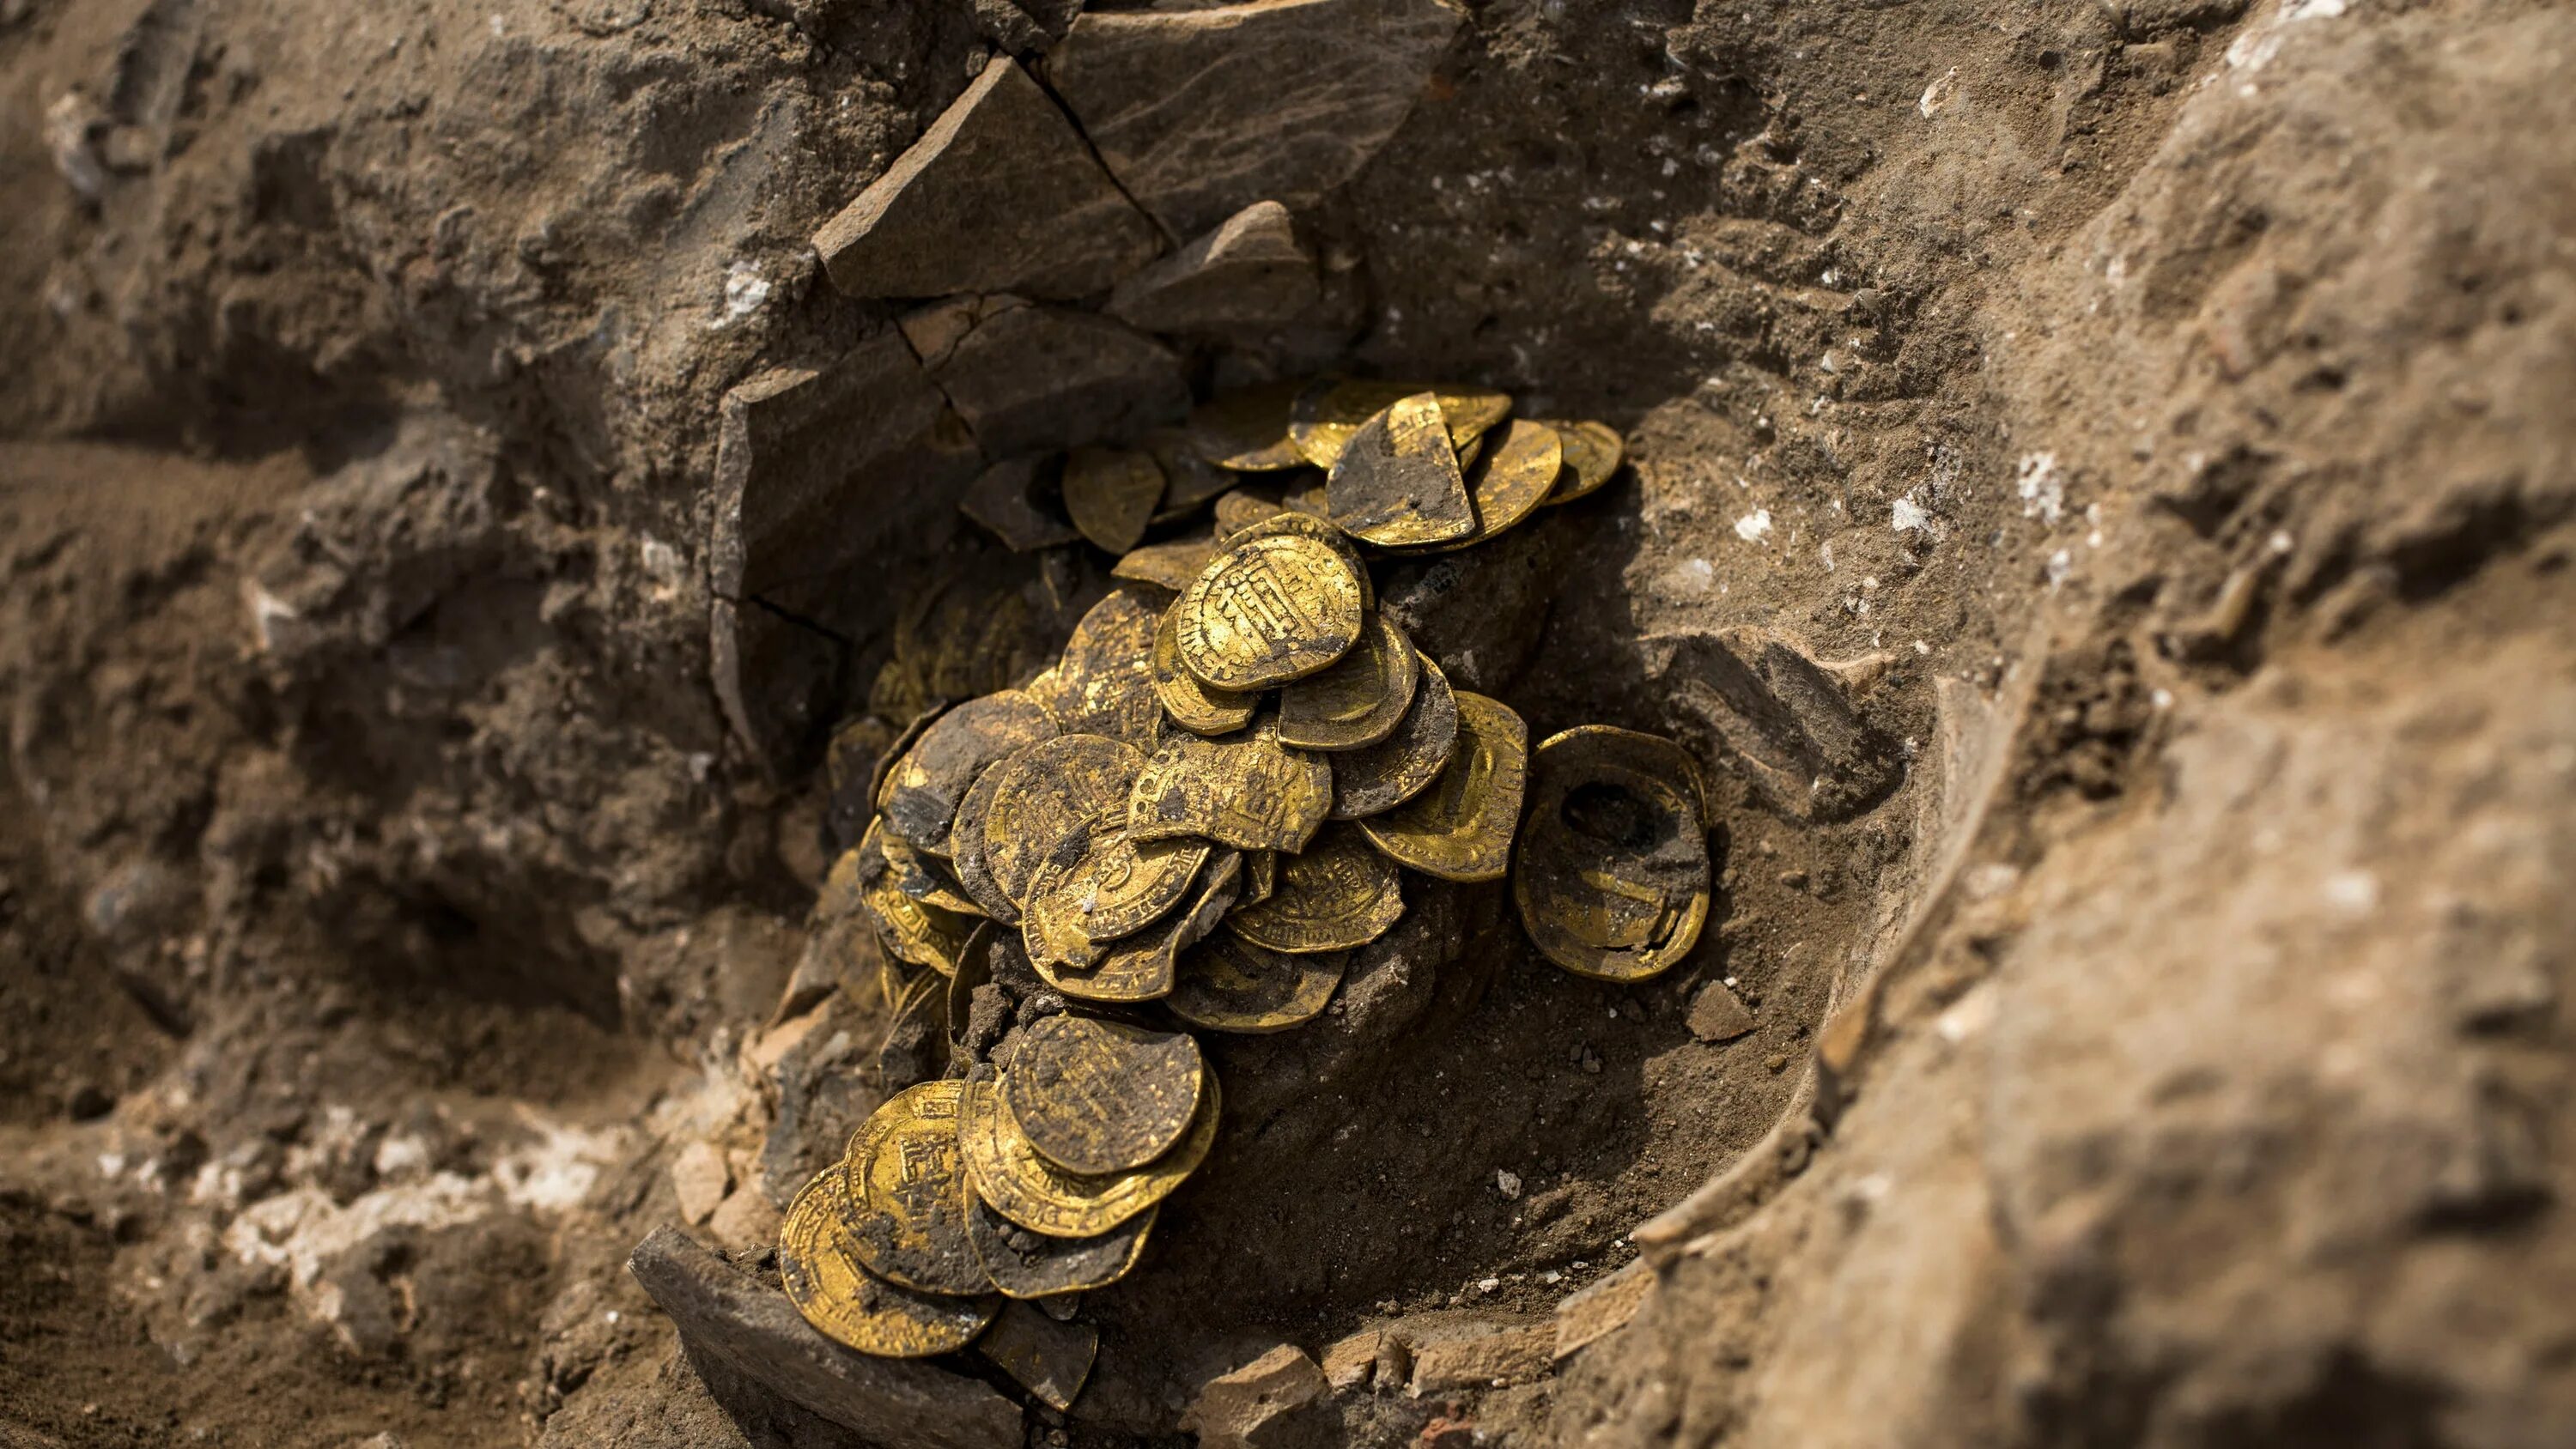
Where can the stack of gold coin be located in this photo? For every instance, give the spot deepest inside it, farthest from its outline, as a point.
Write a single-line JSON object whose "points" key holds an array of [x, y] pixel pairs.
{"points": [[1190, 821]]}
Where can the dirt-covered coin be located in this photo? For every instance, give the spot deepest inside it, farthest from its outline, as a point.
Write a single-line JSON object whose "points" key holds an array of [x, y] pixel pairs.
{"points": [[1048, 803], [912, 929], [1019, 502], [1025, 1187], [1507, 483], [1592, 454], [1330, 410], [923, 789], [918, 874], [1142, 967], [1359, 700], [854, 1307], [1096, 1096], [1244, 789], [1397, 484], [1612, 870], [1375, 780], [1461, 828], [1312, 525], [1268, 611], [1230, 984], [1029, 1264], [1112, 493], [1246, 431], [1116, 887], [1193, 705], [966, 846], [1334, 895], [907, 1215], [1104, 683], [1241, 508], [1260, 876], [1167, 565]]}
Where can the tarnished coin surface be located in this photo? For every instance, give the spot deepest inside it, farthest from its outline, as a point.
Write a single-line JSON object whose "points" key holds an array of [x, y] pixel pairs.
{"points": [[1592, 454], [1118, 886], [1244, 789], [966, 846], [1018, 502], [1335, 895], [1461, 828], [923, 789], [1510, 480], [1397, 484], [1104, 683], [1095, 1096], [1194, 706], [1142, 967], [1048, 1356], [1266, 612], [1189, 481], [1230, 984], [1329, 410], [1029, 1190], [1375, 780], [908, 1195], [912, 930], [1169, 565], [1111, 493], [854, 1307], [1027, 1264], [1612, 874], [1317, 527], [1260, 876], [917, 872], [1050, 800], [1359, 699], [1241, 508], [1247, 430]]}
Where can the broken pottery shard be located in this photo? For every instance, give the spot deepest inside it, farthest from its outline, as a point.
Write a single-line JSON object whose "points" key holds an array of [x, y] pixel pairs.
{"points": [[1049, 1359], [1717, 1014], [752, 1328], [1000, 194], [1749, 698], [1234, 1410], [1031, 379], [1478, 1355], [1200, 113], [1602, 1309], [1248, 273]]}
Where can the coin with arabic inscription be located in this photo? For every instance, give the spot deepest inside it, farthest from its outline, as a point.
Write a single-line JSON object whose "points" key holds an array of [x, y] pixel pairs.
{"points": [[1026, 1188], [923, 790], [1095, 1096], [1612, 871], [1592, 454], [1268, 611], [912, 930], [854, 1307], [1360, 699], [1317, 527], [1461, 828], [1194, 706], [1230, 984], [1330, 410], [1244, 789], [1104, 683], [907, 1217], [1397, 484], [1118, 886], [1375, 780], [1334, 895], [1142, 966], [1050, 800]]}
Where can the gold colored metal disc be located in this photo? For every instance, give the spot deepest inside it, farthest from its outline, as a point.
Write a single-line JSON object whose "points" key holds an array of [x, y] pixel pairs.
{"points": [[1243, 790], [1592, 454], [1386, 774], [908, 1195], [1317, 527], [1360, 699], [854, 1307], [1104, 683], [966, 846], [1143, 966], [1027, 1264], [1260, 875], [1230, 984], [1330, 409], [1116, 887], [923, 790], [1029, 1190], [1241, 508], [917, 873], [912, 930], [1193, 706], [1397, 484], [1612, 878], [1247, 430], [1051, 799], [1095, 1096], [1461, 828], [1051, 1360], [1335, 895], [1170, 565], [1268, 611], [1111, 493], [1510, 480]]}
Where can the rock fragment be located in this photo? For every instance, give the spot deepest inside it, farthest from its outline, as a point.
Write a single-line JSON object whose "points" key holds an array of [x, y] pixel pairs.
{"points": [[1249, 1408], [1716, 1014], [1750, 698], [1030, 379], [1248, 273], [1601, 1309], [1352, 1362], [750, 1326], [1201, 113], [699, 1178], [1479, 1355], [1000, 194]]}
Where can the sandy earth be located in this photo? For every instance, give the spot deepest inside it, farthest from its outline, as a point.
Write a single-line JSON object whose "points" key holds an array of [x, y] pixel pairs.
{"points": [[2157, 414]]}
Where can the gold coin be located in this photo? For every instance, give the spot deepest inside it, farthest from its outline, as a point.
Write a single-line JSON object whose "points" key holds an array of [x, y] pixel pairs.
{"points": [[1052, 798], [923, 790], [1612, 878], [1461, 828], [1266, 612], [1318, 528], [904, 740], [1243, 507], [1193, 706], [1509, 481], [1333, 896], [1189, 480], [1116, 887], [851, 1306], [1168, 565], [1141, 967], [1019, 502], [1260, 876], [912, 930], [1386, 774], [1592, 454], [1230, 984], [1097, 1097], [1242, 790], [908, 1196], [974, 968], [1397, 484], [1035, 1193], [1051, 1360], [1104, 684], [917, 873], [1111, 493], [1026, 1264], [966, 845], [1360, 699], [1330, 409], [1247, 430]]}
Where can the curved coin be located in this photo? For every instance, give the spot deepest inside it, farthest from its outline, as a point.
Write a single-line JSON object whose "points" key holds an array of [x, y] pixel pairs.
{"points": [[1317, 527], [1116, 887], [1192, 705], [1397, 484], [1268, 611], [1027, 1264], [966, 847], [1335, 895], [1241, 508], [1169, 565], [902, 745], [915, 872], [1052, 798], [1111, 493], [1592, 454], [1229, 984], [1461, 828], [1142, 967], [1029, 1190], [974, 968], [852, 1306], [907, 1215], [1331, 409], [1510, 480], [912, 930], [1612, 879], [1243, 790], [923, 790], [1104, 683], [1096, 1096], [1360, 699], [1386, 774], [1246, 431], [1260, 875]]}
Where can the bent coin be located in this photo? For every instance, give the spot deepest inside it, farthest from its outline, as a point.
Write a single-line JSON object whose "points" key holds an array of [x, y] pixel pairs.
{"points": [[1267, 611], [1029, 1190], [1461, 828], [1612, 879], [1111, 493], [1245, 790], [1592, 453], [922, 792], [1397, 484], [1360, 699], [1230, 984], [1194, 706], [1029, 1264], [1050, 800], [1098, 1097], [1330, 409], [1142, 967], [854, 1307], [1335, 895], [1376, 779]]}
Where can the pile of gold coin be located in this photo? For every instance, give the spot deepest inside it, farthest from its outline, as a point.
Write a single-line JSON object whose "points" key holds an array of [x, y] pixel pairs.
{"points": [[1190, 821]]}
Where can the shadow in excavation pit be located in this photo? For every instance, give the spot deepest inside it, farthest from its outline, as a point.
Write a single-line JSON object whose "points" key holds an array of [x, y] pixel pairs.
{"points": [[421, 947]]}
